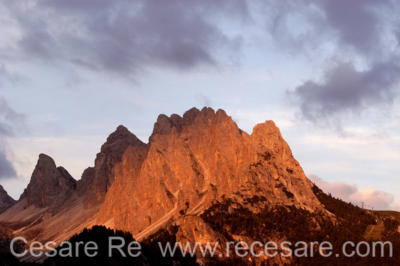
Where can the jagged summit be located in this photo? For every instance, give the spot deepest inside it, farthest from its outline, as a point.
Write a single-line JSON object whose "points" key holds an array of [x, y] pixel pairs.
{"points": [[121, 134], [5, 200], [49, 185], [200, 179], [44, 159], [96, 180], [203, 118], [195, 159], [190, 162]]}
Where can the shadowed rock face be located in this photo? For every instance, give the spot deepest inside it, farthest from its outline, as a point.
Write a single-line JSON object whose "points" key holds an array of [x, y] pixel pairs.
{"points": [[49, 185], [97, 180], [193, 160], [5, 200]]}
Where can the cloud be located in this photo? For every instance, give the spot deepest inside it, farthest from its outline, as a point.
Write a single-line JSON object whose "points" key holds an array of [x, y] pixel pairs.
{"points": [[357, 24], [369, 198], [7, 77], [359, 39], [126, 37], [360, 26], [129, 37], [8, 120], [344, 89], [6, 168]]}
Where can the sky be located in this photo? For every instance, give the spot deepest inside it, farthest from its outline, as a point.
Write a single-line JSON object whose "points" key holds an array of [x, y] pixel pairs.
{"points": [[327, 72]]}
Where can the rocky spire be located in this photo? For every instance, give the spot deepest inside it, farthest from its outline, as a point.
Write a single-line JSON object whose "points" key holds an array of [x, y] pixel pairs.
{"points": [[96, 180], [5, 200], [49, 185]]}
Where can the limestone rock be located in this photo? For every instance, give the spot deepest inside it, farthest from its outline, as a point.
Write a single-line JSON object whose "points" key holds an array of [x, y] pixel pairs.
{"points": [[191, 161], [5, 200], [49, 185], [96, 181]]}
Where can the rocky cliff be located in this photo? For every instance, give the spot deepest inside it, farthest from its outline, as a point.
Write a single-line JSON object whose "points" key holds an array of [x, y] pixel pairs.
{"points": [[189, 163], [49, 185], [194, 166], [5, 200], [200, 178], [54, 205], [97, 180], [193, 160]]}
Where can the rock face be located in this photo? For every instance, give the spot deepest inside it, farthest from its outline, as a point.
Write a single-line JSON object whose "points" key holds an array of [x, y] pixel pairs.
{"points": [[190, 163], [49, 185], [55, 206], [97, 180], [193, 160], [199, 179], [5, 200]]}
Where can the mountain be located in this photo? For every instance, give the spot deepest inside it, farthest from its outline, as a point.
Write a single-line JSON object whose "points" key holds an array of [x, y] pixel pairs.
{"points": [[97, 180], [49, 185], [193, 160], [199, 179], [56, 206], [5, 200]]}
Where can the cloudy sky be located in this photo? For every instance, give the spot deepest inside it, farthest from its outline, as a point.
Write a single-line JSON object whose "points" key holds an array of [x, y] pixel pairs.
{"points": [[327, 72]]}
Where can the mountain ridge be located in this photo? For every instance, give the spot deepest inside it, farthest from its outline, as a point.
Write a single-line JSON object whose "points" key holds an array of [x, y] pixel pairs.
{"points": [[189, 162], [196, 180]]}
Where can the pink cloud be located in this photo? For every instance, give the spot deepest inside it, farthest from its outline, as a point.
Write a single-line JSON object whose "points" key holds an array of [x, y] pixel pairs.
{"points": [[369, 198]]}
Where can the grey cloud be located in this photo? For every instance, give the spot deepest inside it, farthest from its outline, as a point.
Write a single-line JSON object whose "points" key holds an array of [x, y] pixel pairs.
{"points": [[346, 89], [7, 77], [125, 36], [77, 5], [314, 23], [357, 23], [8, 119], [368, 198], [282, 25], [6, 168]]}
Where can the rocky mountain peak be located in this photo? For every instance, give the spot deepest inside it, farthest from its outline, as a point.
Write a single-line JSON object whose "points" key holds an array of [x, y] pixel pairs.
{"points": [[121, 136], [49, 185], [194, 159], [268, 127], [193, 117], [96, 181], [5, 200], [268, 135], [199, 180], [45, 165], [118, 141]]}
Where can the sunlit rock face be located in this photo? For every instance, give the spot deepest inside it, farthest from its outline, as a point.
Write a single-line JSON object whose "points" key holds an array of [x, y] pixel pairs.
{"points": [[189, 164], [97, 180], [193, 160]]}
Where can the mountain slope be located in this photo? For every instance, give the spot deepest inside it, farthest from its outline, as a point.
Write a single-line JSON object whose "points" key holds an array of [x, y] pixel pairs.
{"points": [[50, 186], [199, 179], [193, 160], [55, 206], [97, 180], [5, 200]]}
